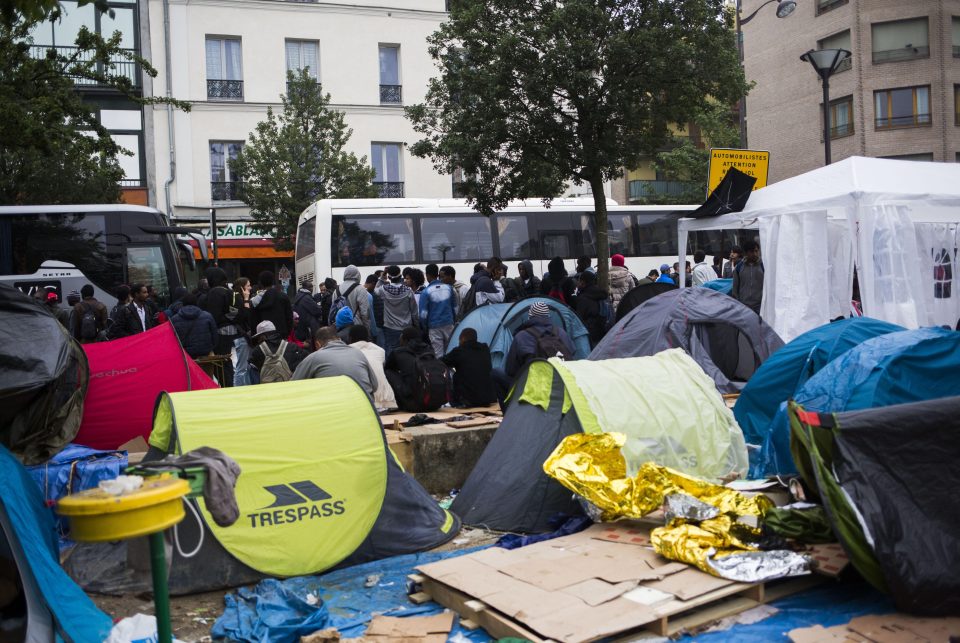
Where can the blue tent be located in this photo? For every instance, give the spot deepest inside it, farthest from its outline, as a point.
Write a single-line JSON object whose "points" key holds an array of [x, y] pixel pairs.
{"points": [[720, 285], [496, 324], [57, 609], [785, 371], [895, 368]]}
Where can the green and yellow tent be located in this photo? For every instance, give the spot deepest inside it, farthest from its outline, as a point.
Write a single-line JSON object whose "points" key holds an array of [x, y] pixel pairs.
{"points": [[666, 405], [319, 487]]}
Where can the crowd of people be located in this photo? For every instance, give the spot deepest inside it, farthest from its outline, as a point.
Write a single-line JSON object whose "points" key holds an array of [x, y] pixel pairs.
{"points": [[390, 330]]}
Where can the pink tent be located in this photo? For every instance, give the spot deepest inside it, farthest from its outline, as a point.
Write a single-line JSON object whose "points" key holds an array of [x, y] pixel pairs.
{"points": [[126, 375]]}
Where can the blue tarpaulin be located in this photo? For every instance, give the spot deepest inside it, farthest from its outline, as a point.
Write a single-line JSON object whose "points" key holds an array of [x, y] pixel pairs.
{"points": [[834, 604], [74, 469], [346, 602], [720, 285]]}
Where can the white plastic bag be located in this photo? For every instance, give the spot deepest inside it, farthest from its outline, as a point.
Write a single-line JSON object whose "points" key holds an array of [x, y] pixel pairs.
{"points": [[140, 628]]}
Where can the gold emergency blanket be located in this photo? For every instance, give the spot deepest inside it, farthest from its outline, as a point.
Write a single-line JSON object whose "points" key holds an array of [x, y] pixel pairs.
{"points": [[592, 466]]}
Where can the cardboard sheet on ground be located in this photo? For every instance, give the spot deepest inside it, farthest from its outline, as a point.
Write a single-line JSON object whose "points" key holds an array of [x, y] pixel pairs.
{"points": [[580, 587], [411, 629], [887, 628]]}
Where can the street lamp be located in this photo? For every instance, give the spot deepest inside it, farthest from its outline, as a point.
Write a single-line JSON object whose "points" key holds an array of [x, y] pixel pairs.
{"points": [[826, 62], [784, 9]]}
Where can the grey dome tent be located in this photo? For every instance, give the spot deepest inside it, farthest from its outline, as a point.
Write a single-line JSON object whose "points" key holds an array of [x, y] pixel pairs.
{"points": [[640, 294], [318, 487], [727, 339], [43, 379]]}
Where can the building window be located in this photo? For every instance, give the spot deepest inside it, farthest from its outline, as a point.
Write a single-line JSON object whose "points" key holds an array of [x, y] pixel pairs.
{"points": [[841, 117], [224, 69], [61, 35], [956, 104], [838, 41], [225, 186], [906, 107], [900, 40], [390, 88], [824, 6], [924, 156], [303, 54], [126, 130], [386, 161], [956, 37]]}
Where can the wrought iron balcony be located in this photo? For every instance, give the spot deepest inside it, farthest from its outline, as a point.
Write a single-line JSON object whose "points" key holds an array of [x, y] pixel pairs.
{"points": [[116, 67], [221, 191], [219, 89], [908, 120], [133, 183], [391, 94], [652, 189], [903, 53], [390, 190]]}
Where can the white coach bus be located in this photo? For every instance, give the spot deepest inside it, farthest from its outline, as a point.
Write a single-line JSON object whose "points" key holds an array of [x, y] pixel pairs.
{"points": [[373, 233]]}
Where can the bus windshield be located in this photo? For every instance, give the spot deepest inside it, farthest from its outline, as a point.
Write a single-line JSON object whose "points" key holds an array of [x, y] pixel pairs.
{"points": [[107, 247]]}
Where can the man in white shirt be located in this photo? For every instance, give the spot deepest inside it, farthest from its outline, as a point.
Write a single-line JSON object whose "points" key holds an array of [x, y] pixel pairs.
{"points": [[702, 271]]}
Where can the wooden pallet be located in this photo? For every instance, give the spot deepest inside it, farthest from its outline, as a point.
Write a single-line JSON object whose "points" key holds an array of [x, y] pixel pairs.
{"points": [[674, 616]]}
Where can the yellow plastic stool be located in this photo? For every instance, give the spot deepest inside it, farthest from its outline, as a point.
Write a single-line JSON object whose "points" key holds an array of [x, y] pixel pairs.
{"points": [[96, 516]]}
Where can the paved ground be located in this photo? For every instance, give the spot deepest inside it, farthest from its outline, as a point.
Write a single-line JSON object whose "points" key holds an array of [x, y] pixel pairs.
{"points": [[194, 615]]}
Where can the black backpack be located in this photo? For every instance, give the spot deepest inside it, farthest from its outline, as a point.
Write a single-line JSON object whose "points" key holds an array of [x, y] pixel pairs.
{"points": [[431, 388], [549, 344], [88, 324], [339, 302]]}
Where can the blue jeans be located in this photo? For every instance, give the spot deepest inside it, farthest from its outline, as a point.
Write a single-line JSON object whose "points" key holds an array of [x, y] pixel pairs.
{"points": [[391, 339], [241, 374]]}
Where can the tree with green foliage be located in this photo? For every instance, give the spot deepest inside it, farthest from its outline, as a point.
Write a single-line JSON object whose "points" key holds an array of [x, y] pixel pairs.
{"points": [[535, 93], [296, 157], [52, 147], [687, 162]]}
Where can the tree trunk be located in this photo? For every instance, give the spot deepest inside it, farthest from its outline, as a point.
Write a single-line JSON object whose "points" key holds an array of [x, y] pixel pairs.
{"points": [[600, 226]]}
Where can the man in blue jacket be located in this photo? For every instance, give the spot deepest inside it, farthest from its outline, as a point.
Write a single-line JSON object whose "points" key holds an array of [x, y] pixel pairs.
{"points": [[438, 310], [195, 328]]}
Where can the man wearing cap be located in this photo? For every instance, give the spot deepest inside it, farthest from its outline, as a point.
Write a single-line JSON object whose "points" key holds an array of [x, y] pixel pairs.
{"points": [[665, 277], [332, 357], [536, 337], [267, 339]]}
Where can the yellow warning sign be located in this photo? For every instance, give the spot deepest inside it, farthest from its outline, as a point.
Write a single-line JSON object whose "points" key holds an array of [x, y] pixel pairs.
{"points": [[752, 162]]}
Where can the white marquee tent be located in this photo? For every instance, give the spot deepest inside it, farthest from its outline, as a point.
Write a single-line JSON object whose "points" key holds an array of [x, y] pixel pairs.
{"points": [[895, 220]]}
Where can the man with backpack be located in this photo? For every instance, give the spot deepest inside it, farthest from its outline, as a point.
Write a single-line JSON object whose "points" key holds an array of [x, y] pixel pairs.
{"points": [[274, 357], [536, 338], [593, 307], [352, 295], [310, 312], [419, 380], [332, 357], [90, 317]]}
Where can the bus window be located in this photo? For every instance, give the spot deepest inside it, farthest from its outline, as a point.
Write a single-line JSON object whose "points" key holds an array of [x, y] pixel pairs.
{"points": [[145, 265], [306, 238], [514, 236], [658, 236], [371, 241], [79, 239], [453, 239], [619, 235]]}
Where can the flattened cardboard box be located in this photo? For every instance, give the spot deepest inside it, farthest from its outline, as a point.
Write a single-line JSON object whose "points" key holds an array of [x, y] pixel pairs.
{"points": [[577, 588], [887, 628]]}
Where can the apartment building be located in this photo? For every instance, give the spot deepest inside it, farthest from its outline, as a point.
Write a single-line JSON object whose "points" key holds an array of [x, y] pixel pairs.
{"points": [[229, 59], [122, 117], [898, 96]]}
